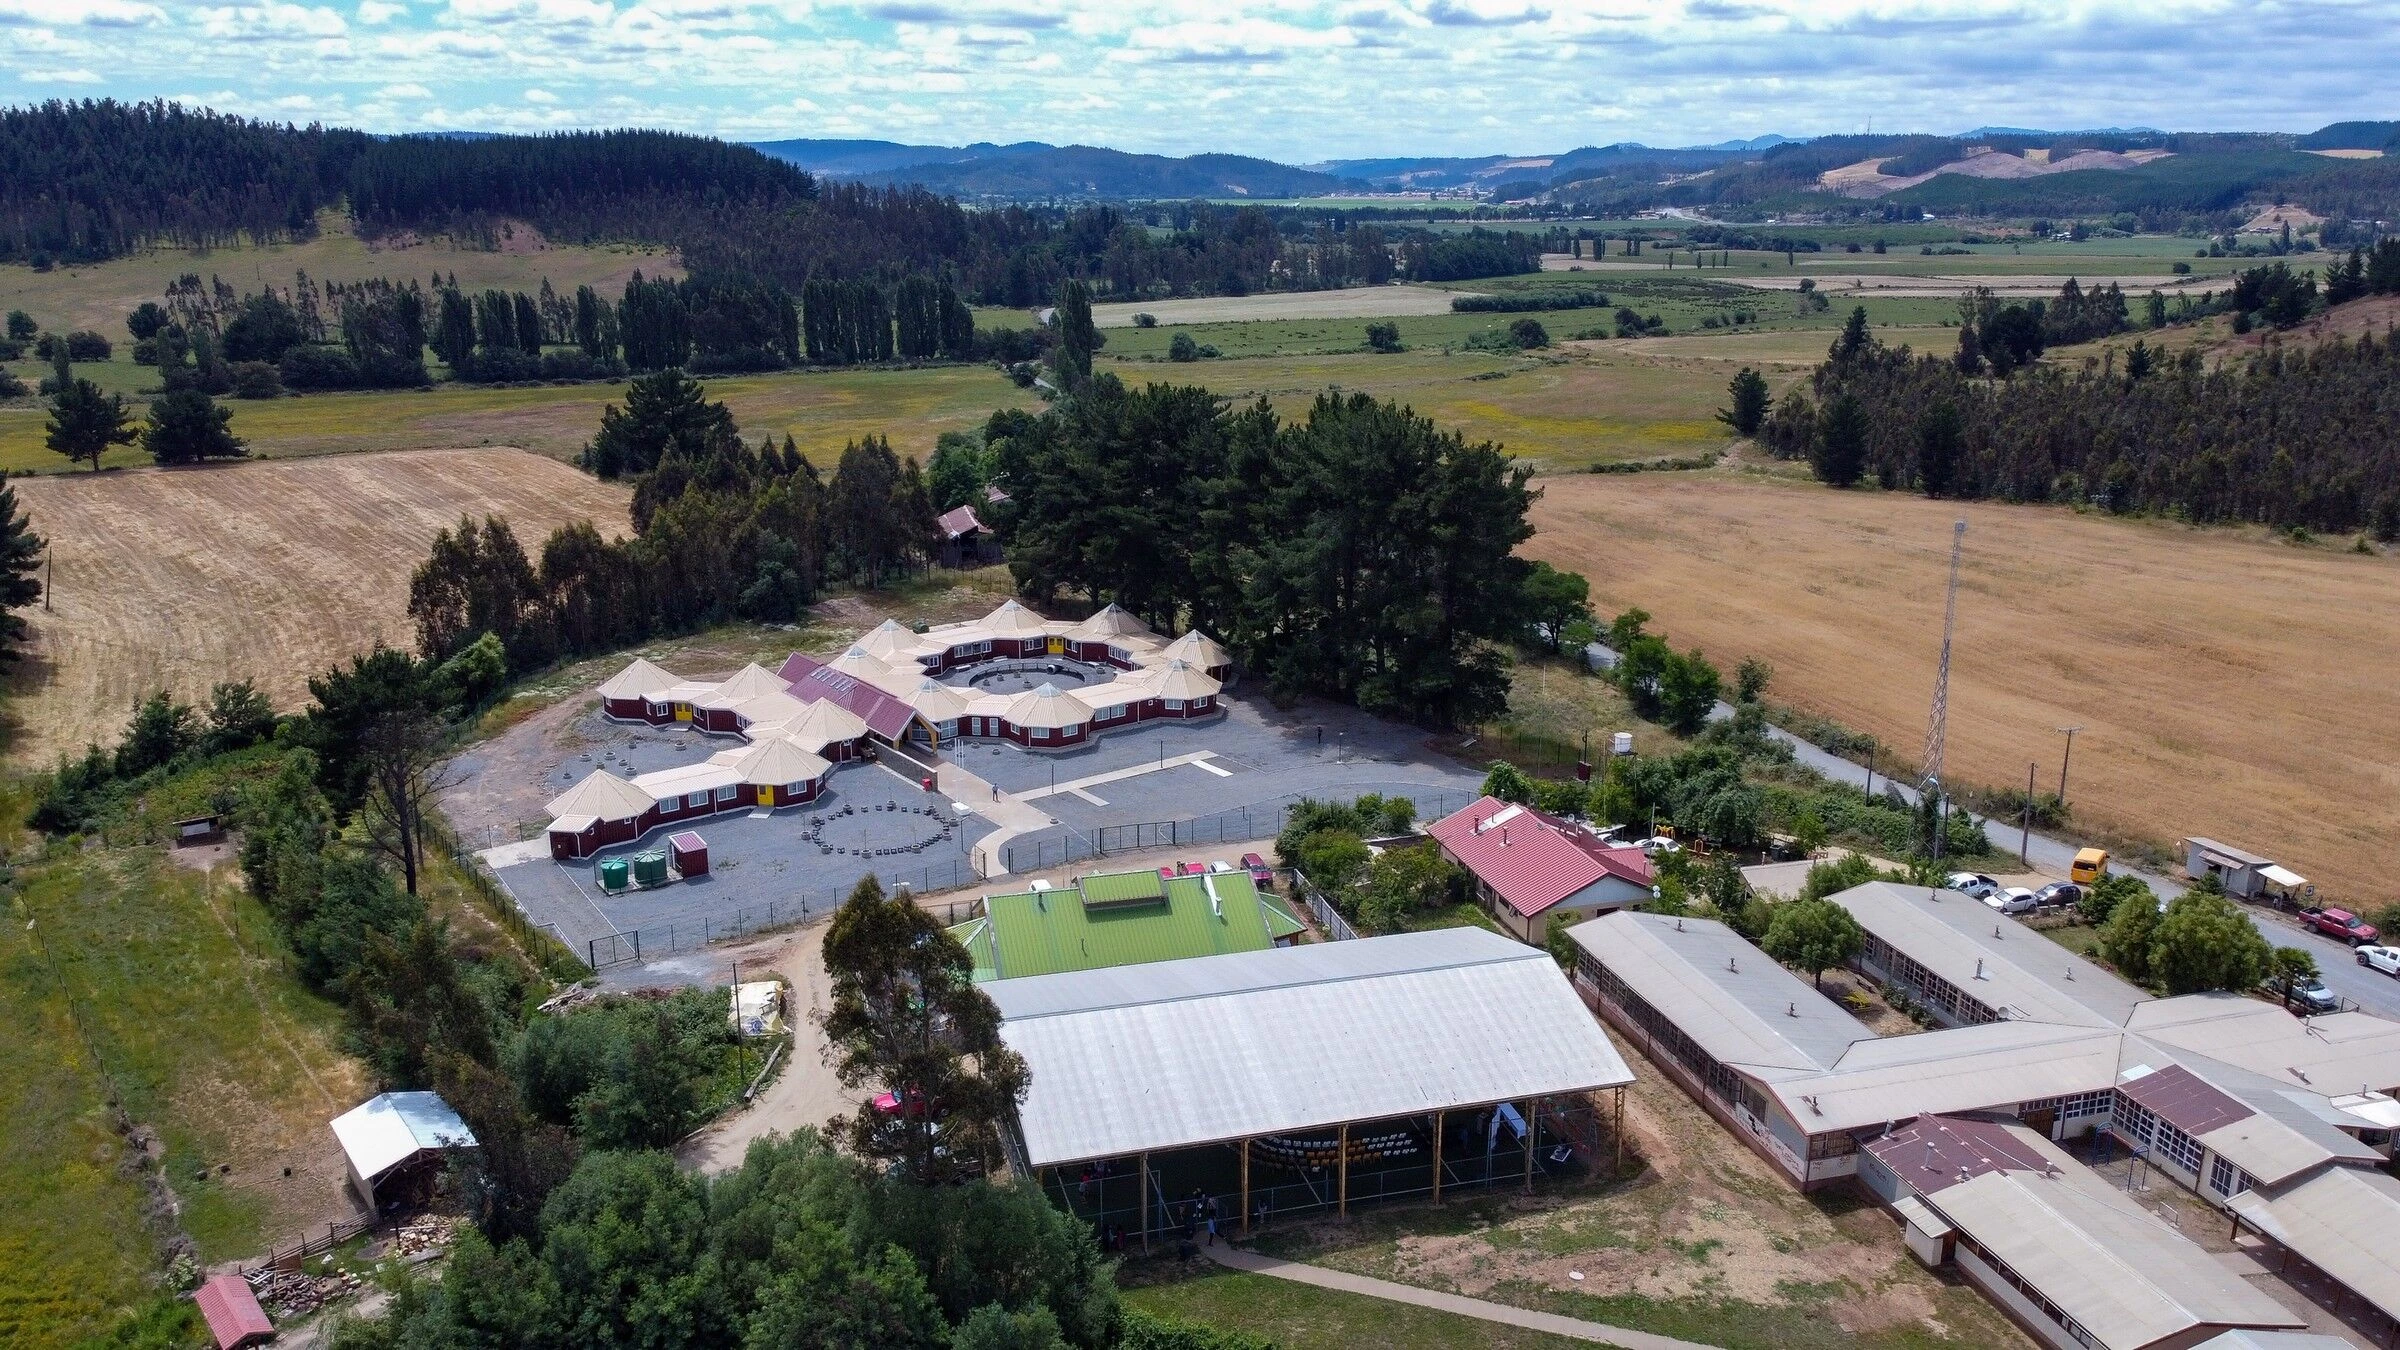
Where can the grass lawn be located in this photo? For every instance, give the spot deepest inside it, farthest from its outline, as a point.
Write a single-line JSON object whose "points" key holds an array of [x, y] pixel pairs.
{"points": [[75, 1250], [125, 974], [821, 410], [1304, 1317]]}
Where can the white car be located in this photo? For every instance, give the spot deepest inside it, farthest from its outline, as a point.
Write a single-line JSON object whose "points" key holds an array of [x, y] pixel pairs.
{"points": [[1657, 844], [1974, 884], [2014, 900], [2385, 959]]}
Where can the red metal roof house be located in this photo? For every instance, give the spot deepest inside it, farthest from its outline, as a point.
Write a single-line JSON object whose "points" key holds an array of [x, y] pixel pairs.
{"points": [[1528, 866], [232, 1312]]}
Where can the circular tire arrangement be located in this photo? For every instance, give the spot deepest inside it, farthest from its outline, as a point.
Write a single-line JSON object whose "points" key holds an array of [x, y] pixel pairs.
{"points": [[945, 828]]}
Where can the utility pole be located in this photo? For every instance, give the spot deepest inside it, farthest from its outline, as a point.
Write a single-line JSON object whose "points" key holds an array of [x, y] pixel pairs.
{"points": [[1936, 725], [2025, 836], [2062, 763]]}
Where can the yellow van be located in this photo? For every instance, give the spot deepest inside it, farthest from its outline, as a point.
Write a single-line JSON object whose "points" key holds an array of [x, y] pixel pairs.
{"points": [[2091, 864]]}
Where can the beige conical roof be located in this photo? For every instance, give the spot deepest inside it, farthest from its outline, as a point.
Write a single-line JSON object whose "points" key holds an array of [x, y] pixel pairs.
{"points": [[858, 664], [823, 723], [939, 702], [1047, 707], [602, 795], [775, 762], [1181, 679], [1111, 622], [1013, 620], [1200, 649], [639, 680], [767, 710], [891, 643], [751, 681]]}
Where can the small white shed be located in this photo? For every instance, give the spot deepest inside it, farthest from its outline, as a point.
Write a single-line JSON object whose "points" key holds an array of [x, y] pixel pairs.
{"points": [[397, 1135]]}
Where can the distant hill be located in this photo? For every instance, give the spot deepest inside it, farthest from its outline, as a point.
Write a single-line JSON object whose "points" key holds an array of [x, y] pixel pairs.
{"points": [[1573, 165], [1034, 170], [2352, 136]]}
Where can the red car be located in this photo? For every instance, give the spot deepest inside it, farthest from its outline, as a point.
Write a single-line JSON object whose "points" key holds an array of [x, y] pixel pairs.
{"points": [[1260, 873], [2341, 924], [889, 1104], [1189, 869]]}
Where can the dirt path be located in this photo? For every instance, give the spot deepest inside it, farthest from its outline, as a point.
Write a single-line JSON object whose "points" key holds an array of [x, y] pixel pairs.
{"points": [[804, 1090]]}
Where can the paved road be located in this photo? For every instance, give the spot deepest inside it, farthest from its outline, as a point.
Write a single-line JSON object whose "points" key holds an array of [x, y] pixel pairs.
{"points": [[2377, 993]]}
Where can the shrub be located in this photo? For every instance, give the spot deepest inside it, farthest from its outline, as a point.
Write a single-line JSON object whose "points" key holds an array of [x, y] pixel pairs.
{"points": [[256, 379], [1384, 337], [1528, 334], [84, 345], [1182, 348], [1145, 321], [573, 363], [315, 367]]}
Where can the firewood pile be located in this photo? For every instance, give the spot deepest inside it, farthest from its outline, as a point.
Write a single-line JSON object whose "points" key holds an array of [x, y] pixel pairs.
{"points": [[290, 1294]]}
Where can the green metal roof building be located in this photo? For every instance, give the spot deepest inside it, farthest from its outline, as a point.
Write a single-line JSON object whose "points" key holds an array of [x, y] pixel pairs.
{"points": [[1123, 919]]}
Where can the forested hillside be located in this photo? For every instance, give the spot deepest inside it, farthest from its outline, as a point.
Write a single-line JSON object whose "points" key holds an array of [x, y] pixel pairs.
{"points": [[2291, 436], [82, 182]]}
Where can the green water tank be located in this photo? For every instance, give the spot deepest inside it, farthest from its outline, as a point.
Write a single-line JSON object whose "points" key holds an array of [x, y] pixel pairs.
{"points": [[650, 869], [614, 874]]}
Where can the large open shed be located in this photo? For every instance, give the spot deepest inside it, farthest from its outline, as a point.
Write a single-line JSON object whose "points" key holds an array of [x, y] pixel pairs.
{"points": [[1376, 1067]]}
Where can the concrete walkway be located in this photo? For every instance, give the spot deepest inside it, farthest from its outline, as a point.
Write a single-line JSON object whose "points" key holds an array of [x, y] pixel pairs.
{"points": [[1459, 1304], [1012, 814], [1081, 786]]}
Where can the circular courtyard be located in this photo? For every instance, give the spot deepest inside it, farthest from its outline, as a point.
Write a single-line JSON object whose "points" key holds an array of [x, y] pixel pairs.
{"points": [[1029, 673]]}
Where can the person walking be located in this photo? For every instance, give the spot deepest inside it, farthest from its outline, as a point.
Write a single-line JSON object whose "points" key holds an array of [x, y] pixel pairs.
{"points": [[1210, 1208]]}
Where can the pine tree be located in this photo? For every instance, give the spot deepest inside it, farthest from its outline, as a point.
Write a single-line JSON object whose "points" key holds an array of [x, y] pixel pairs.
{"points": [[21, 553], [528, 325], [84, 422], [187, 426], [1840, 454], [454, 330]]}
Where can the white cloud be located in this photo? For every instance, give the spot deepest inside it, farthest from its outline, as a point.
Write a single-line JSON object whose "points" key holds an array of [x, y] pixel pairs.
{"points": [[96, 13], [75, 76], [541, 96], [380, 11], [404, 91], [270, 21]]}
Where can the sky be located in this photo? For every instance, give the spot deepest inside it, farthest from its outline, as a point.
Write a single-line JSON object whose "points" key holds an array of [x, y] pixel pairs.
{"points": [[1293, 82]]}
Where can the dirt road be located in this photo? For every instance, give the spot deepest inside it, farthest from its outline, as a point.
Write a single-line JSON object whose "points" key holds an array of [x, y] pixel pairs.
{"points": [[804, 1090]]}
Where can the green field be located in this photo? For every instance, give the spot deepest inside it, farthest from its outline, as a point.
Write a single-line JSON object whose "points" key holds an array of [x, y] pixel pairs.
{"points": [[98, 296], [128, 977], [821, 410], [1304, 1317]]}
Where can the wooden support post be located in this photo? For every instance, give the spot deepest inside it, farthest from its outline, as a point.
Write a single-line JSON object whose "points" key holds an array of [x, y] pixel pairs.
{"points": [[1342, 1184], [1141, 1182], [1245, 1186], [1533, 1108], [1437, 1155], [1619, 1131]]}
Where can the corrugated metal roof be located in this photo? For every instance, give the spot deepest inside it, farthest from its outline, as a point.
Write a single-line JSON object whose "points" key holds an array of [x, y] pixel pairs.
{"points": [[2340, 1221], [1996, 1065], [1998, 960], [2334, 1055], [232, 1312], [958, 521], [2273, 1340], [1531, 860], [1732, 999], [1934, 1153], [811, 680], [383, 1132], [1217, 1048], [2182, 1098], [2226, 855], [2123, 1276]]}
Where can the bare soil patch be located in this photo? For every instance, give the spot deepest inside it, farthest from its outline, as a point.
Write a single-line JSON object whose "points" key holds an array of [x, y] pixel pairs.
{"points": [[2228, 684], [1356, 302], [270, 571]]}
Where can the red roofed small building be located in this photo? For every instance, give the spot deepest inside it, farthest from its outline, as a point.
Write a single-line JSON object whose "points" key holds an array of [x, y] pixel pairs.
{"points": [[232, 1312], [1528, 866]]}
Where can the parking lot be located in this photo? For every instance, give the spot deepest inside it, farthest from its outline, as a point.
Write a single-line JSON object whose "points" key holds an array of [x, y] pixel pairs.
{"points": [[763, 870], [1209, 784]]}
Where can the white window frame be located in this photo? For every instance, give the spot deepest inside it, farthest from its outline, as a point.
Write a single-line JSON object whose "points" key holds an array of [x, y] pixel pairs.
{"points": [[1174, 705], [694, 800], [728, 792]]}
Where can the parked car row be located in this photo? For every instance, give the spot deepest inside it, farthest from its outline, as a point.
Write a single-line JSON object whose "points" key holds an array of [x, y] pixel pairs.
{"points": [[1260, 874], [2014, 899]]}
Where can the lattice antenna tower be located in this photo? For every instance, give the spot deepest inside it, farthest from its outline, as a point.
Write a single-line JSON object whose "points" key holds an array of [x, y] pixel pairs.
{"points": [[1931, 783]]}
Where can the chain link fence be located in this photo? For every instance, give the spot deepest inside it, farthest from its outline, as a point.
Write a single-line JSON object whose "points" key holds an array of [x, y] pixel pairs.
{"points": [[1242, 825], [657, 940]]}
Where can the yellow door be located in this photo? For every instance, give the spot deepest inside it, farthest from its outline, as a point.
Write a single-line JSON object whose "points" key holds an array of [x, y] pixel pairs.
{"points": [[683, 712], [1058, 646], [766, 796]]}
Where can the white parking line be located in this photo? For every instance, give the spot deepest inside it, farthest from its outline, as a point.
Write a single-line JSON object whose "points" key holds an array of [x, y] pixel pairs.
{"points": [[1199, 758]]}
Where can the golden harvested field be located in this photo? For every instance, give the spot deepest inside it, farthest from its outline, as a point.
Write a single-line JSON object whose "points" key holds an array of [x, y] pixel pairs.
{"points": [[2227, 684], [266, 571]]}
